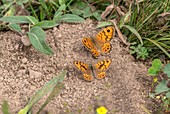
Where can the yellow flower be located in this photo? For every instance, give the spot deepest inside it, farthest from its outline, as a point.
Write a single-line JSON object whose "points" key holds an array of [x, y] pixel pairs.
{"points": [[101, 110], [155, 79]]}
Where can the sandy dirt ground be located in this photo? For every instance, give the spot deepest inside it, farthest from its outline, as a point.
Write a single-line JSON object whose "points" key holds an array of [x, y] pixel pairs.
{"points": [[22, 73]]}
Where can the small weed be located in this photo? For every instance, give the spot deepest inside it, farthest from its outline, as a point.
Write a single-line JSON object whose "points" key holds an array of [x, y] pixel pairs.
{"points": [[140, 51], [163, 86]]}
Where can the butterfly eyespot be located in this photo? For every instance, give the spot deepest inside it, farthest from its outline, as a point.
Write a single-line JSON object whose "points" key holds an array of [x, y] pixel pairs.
{"points": [[108, 30]]}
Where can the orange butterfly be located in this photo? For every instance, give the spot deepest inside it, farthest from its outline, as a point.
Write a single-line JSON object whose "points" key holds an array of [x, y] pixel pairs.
{"points": [[100, 44], [97, 70]]}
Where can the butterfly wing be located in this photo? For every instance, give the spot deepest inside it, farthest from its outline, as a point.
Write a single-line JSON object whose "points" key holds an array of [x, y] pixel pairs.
{"points": [[102, 39], [89, 44], [86, 70], [105, 35], [100, 67]]}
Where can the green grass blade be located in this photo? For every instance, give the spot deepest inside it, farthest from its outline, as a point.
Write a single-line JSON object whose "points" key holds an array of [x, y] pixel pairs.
{"points": [[159, 46], [164, 45], [57, 89], [37, 37], [42, 2], [5, 107], [134, 32], [48, 87], [140, 26]]}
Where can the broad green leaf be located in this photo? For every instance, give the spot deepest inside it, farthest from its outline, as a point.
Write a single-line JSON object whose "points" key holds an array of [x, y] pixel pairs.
{"points": [[156, 63], [161, 87], [59, 12], [166, 70], [15, 27], [104, 24], [134, 32], [168, 94], [76, 11], [37, 37], [57, 89], [97, 15], [71, 18], [87, 12], [152, 71], [62, 8], [48, 87], [57, 15], [19, 19], [46, 24], [5, 107], [78, 7]]}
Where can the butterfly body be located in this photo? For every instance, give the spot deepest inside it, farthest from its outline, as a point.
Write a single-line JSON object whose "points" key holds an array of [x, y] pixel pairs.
{"points": [[97, 70], [100, 44]]}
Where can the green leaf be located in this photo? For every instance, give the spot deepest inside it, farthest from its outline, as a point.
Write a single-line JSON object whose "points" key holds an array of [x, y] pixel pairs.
{"points": [[15, 27], [71, 18], [166, 70], [57, 15], [104, 24], [168, 94], [78, 7], [161, 87], [97, 15], [5, 107], [57, 89], [46, 24], [156, 63], [152, 71], [134, 32], [37, 37], [24, 110], [48, 87], [87, 12], [156, 67], [19, 19]]}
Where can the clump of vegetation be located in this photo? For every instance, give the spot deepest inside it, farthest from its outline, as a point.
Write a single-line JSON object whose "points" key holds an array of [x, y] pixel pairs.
{"points": [[161, 83]]}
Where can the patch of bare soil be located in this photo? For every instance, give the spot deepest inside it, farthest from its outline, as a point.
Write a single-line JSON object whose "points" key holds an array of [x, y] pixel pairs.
{"points": [[23, 73]]}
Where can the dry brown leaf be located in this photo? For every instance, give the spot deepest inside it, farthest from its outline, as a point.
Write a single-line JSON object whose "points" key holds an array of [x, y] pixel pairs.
{"points": [[119, 32], [164, 14], [107, 11]]}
